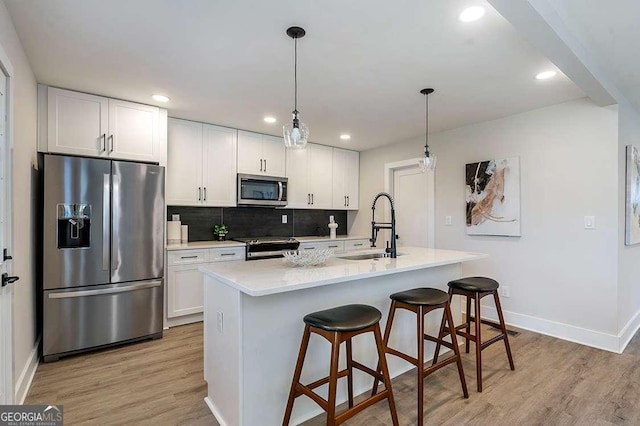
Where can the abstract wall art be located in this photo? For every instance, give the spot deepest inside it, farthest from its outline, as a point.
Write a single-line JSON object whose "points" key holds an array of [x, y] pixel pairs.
{"points": [[632, 225], [493, 197]]}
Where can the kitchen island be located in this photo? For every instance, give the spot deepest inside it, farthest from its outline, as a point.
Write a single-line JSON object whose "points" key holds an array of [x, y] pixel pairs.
{"points": [[253, 326]]}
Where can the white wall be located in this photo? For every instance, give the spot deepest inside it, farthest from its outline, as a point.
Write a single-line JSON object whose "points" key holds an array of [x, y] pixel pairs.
{"points": [[629, 256], [563, 279], [24, 159]]}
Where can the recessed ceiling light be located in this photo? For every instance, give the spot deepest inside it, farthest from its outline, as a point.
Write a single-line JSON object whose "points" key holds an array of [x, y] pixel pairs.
{"points": [[269, 119], [160, 98], [545, 75], [345, 137], [471, 14]]}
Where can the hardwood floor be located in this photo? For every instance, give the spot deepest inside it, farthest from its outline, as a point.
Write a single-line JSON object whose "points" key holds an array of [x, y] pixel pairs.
{"points": [[160, 382], [156, 382]]}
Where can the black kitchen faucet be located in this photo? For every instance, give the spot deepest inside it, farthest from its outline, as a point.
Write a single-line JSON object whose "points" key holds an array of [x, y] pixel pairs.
{"points": [[376, 226]]}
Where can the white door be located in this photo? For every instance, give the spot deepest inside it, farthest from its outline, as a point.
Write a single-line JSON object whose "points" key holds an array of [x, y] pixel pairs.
{"points": [[298, 195], [410, 197], [250, 160], [6, 309], [273, 153], [320, 176], [77, 123], [184, 163], [219, 179], [133, 131]]}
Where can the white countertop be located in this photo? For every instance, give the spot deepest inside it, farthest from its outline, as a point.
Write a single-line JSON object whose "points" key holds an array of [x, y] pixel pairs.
{"points": [[204, 245], [272, 276], [326, 238]]}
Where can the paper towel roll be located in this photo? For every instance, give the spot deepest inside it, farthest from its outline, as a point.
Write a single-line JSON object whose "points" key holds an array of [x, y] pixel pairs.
{"points": [[184, 233], [173, 231]]}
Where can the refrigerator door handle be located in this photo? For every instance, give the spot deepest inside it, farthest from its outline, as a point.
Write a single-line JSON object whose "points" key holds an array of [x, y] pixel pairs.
{"points": [[106, 208], [84, 293], [115, 232]]}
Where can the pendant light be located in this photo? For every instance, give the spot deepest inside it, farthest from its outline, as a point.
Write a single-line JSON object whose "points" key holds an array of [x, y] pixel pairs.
{"points": [[296, 133], [428, 162]]}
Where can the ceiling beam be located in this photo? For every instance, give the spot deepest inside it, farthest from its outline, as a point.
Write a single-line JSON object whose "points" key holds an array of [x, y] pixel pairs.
{"points": [[540, 24]]}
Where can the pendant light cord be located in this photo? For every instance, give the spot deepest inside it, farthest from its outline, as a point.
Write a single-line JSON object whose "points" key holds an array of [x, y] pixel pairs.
{"points": [[426, 125], [295, 75]]}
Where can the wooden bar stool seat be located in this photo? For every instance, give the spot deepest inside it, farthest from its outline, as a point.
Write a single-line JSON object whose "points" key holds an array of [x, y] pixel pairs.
{"points": [[339, 325], [422, 301], [476, 288]]}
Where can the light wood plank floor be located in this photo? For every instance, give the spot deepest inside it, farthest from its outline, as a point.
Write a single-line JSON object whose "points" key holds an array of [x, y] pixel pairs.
{"points": [[160, 382]]}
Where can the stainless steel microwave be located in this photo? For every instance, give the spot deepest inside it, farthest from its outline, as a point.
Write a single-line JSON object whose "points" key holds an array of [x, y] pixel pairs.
{"points": [[258, 190]]}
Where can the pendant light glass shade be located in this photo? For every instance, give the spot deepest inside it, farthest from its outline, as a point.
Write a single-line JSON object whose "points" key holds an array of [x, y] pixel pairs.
{"points": [[428, 162], [296, 133]]}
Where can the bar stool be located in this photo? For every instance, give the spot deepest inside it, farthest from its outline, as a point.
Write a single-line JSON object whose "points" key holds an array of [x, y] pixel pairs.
{"points": [[339, 325], [476, 288], [422, 301]]}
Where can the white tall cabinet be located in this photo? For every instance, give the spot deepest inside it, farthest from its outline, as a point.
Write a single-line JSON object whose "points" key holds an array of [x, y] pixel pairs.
{"points": [[346, 175], [260, 154], [201, 164], [310, 177], [83, 124]]}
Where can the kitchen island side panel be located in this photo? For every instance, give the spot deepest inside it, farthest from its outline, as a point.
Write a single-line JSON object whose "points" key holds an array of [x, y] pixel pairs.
{"points": [[223, 351], [272, 331]]}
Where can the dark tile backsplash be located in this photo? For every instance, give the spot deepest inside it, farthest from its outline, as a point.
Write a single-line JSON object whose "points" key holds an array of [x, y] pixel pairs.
{"points": [[257, 221]]}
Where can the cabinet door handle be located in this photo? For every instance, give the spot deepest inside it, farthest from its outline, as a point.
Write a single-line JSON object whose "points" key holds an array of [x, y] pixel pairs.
{"points": [[104, 142], [348, 202], [332, 246], [112, 143], [358, 244], [308, 198], [312, 198], [188, 257], [345, 201], [199, 194], [205, 193], [261, 164], [308, 248], [227, 254], [265, 165]]}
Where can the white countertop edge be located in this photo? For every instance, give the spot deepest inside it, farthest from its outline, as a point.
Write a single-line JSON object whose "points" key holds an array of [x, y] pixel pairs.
{"points": [[283, 289], [194, 245]]}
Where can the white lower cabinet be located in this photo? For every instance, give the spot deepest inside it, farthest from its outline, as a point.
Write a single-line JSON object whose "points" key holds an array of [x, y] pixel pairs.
{"points": [[350, 245], [322, 245], [185, 283]]}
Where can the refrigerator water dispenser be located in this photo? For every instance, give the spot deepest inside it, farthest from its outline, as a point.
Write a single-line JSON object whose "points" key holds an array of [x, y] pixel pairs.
{"points": [[74, 226]]}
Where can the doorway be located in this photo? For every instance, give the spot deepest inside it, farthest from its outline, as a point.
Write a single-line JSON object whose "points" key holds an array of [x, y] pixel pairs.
{"points": [[6, 292], [414, 198]]}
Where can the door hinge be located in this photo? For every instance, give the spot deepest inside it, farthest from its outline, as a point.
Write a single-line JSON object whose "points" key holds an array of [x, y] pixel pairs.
{"points": [[5, 255], [6, 279]]}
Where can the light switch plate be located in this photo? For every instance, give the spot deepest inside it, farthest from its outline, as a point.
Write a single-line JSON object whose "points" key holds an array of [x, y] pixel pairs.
{"points": [[220, 322], [447, 220], [284, 218], [589, 222]]}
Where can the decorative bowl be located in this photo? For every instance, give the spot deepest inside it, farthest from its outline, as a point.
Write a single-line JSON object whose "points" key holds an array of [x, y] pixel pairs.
{"points": [[308, 257]]}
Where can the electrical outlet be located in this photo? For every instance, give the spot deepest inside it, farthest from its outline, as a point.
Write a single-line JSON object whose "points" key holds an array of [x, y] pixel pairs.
{"points": [[175, 217], [220, 322], [284, 218], [589, 222], [447, 220], [506, 291], [331, 218]]}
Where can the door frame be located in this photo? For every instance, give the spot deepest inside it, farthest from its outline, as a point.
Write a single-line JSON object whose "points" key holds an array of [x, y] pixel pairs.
{"points": [[390, 168], [6, 301]]}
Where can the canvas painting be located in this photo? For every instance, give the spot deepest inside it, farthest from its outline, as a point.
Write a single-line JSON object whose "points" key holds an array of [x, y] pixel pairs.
{"points": [[632, 225], [493, 197]]}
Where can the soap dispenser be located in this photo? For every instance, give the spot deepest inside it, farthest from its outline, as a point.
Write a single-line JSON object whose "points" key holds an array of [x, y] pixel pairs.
{"points": [[332, 228]]}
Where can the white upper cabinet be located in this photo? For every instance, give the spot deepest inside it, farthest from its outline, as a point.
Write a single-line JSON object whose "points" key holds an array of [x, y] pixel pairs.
{"points": [[310, 177], [346, 175], [133, 131], [219, 166], [77, 123], [260, 154], [83, 124], [201, 164], [184, 163]]}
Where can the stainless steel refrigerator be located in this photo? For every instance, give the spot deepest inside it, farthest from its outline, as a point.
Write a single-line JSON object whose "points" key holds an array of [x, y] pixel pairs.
{"points": [[103, 262]]}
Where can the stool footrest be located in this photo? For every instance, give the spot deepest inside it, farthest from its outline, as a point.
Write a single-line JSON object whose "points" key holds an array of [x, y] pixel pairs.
{"points": [[324, 381], [493, 340], [485, 322], [404, 356], [342, 417], [304, 390], [436, 340], [440, 364], [367, 370]]}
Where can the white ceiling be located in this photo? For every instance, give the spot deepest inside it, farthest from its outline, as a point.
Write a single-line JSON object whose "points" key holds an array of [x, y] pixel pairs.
{"points": [[361, 65]]}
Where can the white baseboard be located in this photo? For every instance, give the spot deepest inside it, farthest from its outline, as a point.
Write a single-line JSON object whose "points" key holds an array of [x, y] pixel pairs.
{"points": [[571, 333], [187, 319], [214, 411], [628, 331], [26, 376]]}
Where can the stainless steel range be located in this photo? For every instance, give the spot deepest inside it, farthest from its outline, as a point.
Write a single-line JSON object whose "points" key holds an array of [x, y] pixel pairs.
{"points": [[268, 247]]}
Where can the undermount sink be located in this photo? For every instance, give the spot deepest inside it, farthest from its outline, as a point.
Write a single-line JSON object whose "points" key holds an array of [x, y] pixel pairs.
{"points": [[366, 256]]}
